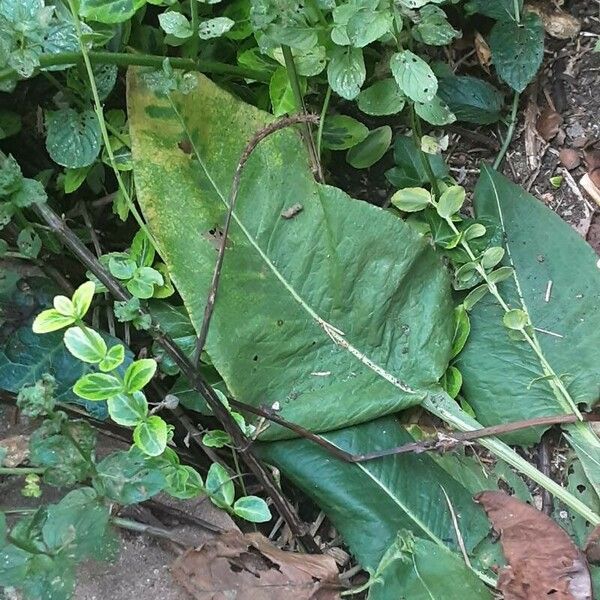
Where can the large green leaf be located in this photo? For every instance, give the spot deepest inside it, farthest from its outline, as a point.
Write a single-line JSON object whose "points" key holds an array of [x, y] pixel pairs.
{"points": [[503, 378], [289, 286], [370, 502]]}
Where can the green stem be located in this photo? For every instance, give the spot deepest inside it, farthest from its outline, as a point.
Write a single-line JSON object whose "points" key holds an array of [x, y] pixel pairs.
{"points": [[417, 131], [322, 120], [102, 123], [123, 59], [446, 409], [510, 131], [194, 42], [517, 11], [290, 66], [21, 470]]}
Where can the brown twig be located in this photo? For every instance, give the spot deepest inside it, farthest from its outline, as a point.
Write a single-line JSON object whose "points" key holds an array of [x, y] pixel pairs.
{"points": [[191, 373], [233, 194]]}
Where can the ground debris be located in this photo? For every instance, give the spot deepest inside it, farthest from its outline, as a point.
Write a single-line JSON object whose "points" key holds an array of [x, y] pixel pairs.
{"points": [[14, 450], [542, 560], [249, 567]]}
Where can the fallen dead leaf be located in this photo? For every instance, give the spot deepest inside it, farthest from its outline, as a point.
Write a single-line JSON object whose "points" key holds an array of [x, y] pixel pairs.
{"points": [[569, 158], [484, 54], [590, 187], [592, 161], [17, 450], [249, 567], [557, 23], [548, 123], [592, 546], [542, 560]]}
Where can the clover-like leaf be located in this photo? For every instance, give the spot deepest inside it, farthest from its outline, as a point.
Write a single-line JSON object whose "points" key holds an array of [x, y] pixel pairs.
{"points": [[450, 201], [151, 435], [85, 344], [82, 298], [219, 486], [97, 386], [411, 199], [114, 357], [128, 409], [51, 320], [138, 374], [253, 509]]}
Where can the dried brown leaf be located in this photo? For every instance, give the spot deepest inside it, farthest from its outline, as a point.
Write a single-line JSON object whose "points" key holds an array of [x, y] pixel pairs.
{"points": [[557, 23], [17, 450], [249, 567], [542, 560], [592, 546], [484, 54], [548, 123], [569, 158]]}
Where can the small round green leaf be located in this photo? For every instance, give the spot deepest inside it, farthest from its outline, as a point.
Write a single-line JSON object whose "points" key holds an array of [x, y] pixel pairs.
{"points": [[411, 199], [216, 27], [371, 149], [414, 76], [219, 486], [474, 231], [82, 298], [452, 381], [253, 509], [346, 71], [151, 436], [435, 111], [341, 132], [492, 256], [97, 386], [174, 23], [121, 267], [114, 357], [462, 328], [451, 201], [474, 296], [500, 274], [51, 320], [128, 409], [382, 98], [85, 344], [64, 306], [73, 138], [515, 319], [216, 439]]}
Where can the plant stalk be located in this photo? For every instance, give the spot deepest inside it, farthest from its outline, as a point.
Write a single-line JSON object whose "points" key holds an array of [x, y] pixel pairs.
{"points": [[509, 133], [125, 59], [21, 470], [292, 73], [418, 133]]}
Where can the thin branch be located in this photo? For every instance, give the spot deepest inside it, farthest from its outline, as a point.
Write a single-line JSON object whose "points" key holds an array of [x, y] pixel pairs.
{"points": [[233, 194], [192, 374], [510, 132]]}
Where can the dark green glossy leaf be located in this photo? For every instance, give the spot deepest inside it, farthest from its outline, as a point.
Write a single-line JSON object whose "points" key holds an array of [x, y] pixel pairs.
{"points": [[381, 496], [517, 50], [471, 99], [371, 149], [509, 384]]}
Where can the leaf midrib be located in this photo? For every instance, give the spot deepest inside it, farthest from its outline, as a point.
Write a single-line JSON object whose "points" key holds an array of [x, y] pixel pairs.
{"points": [[334, 334]]}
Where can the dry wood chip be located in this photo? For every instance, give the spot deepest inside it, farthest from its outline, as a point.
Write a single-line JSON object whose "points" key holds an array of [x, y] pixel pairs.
{"points": [[17, 450], [542, 560], [249, 567]]}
